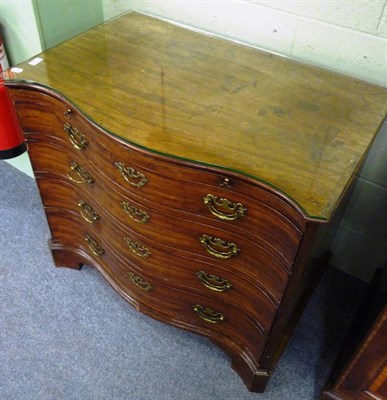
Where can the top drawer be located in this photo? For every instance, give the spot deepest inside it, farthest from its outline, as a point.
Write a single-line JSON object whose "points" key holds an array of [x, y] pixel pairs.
{"points": [[148, 178]]}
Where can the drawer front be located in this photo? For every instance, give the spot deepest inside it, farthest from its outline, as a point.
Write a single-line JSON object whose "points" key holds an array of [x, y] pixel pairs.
{"points": [[198, 313], [164, 238]]}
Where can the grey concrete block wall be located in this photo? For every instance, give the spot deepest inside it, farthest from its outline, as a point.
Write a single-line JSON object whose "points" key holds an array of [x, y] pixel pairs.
{"points": [[344, 36], [360, 242]]}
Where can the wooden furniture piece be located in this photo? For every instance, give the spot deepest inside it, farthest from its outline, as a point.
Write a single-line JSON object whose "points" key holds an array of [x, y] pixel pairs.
{"points": [[361, 369], [365, 378], [193, 173]]}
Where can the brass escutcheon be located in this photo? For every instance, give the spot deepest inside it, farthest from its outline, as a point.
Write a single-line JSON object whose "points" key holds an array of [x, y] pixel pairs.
{"points": [[226, 183], [68, 113]]}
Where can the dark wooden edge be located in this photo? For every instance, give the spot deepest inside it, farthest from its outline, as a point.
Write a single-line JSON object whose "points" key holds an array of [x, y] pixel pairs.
{"points": [[329, 396], [350, 378], [301, 222], [360, 371], [65, 257], [254, 379], [374, 299], [300, 287], [346, 395]]}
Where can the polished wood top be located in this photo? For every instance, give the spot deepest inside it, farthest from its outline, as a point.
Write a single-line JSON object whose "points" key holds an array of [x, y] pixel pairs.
{"points": [[301, 129]]}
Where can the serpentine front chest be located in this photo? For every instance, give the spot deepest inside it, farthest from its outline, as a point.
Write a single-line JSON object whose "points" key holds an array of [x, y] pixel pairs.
{"points": [[193, 173]]}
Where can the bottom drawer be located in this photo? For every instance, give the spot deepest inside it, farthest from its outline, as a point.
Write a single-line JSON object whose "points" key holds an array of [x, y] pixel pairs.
{"points": [[194, 312]]}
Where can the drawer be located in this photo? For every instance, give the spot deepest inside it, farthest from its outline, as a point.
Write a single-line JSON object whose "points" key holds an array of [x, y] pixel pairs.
{"points": [[262, 225], [221, 321], [163, 237], [225, 286]]}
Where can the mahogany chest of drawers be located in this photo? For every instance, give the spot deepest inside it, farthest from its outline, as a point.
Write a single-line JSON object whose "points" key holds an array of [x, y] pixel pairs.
{"points": [[193, 173]]}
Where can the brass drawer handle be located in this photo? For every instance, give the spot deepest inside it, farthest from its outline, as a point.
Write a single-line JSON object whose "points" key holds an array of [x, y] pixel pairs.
{"points": [[87, 212], [94, 246], [133, 177], [213, 282], [218, 247], [134, 213], [208, 314], [224, 209], [137, 249], [79, 175], [77, 139], [138, 281]]}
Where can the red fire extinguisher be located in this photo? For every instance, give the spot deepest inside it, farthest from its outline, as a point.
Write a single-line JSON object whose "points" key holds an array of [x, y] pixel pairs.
{"points": [[12, 142]]}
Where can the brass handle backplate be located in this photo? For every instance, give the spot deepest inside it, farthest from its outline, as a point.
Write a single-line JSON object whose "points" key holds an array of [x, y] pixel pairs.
{"points": [[213, 282], [134, 213], [218, 247], [77, 139], [79, 175], [208, 314], [138, 281], [94, 246], [87, 212], [224, 209], [133, 177], [137, 249]]}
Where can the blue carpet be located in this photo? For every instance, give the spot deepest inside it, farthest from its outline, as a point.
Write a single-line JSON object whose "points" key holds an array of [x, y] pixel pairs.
{"points": [[67, 335]]}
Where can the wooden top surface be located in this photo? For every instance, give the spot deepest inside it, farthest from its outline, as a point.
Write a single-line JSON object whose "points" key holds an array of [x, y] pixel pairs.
{"points": [[171, 90]]}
